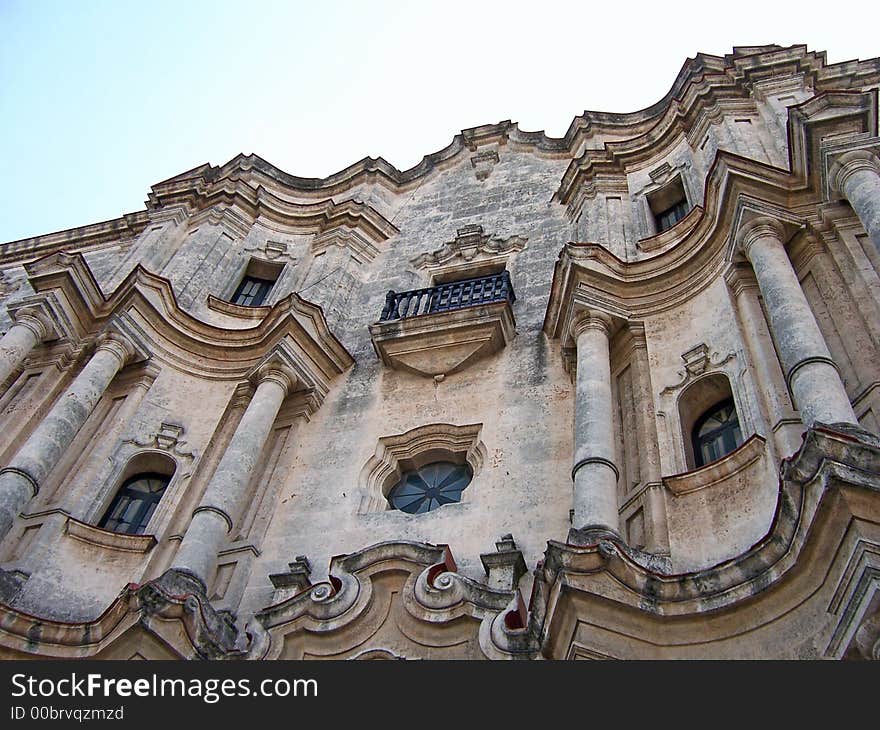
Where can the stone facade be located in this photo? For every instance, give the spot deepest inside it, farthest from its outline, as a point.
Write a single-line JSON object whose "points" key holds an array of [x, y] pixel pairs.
{"points": [[721, 246]]}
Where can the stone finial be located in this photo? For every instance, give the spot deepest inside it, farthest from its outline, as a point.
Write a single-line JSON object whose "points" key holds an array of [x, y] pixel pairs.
{"points": [[505, 566]]}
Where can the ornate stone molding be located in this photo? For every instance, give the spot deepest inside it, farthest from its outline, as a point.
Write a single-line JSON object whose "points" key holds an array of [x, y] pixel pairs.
{"points": [[359, 246], [436, 603], [97, 537], [697, 361], [483, 161], [143, 307], [470, 247], [166, 438], [383, 469], [826, 489], [171, 609], [440, 344], [718, 471]]}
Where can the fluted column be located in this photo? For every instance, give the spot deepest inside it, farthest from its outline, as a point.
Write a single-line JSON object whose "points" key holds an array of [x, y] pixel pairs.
{"points": [[594, 474], [812, 377], [30, 327], [221, 503], [20, 480], [856, 175]]}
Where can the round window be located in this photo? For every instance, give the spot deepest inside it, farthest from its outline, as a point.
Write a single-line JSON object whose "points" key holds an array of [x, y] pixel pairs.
{"points": [[430, 487]]}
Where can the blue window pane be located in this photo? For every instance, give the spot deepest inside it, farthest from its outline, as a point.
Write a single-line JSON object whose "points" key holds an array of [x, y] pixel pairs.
{"points": [[430, 487]]}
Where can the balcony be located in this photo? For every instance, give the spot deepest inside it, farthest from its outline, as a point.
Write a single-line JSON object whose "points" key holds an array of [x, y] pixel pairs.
{"points": [[440, 330], [446, 297]]}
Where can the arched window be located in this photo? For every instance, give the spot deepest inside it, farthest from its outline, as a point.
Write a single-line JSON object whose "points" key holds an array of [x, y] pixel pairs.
{"points": [[430, 487], [134, 503], [716, 433]]}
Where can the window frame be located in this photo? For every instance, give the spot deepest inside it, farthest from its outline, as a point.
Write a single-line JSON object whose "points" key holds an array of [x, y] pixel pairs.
{"points": [[732, 427], [144, 513], [261, 295]]}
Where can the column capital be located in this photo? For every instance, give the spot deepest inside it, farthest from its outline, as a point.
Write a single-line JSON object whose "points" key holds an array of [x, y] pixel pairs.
{"points": [[590, 319], [757, 228], [277, 372], [36, 320], [846, 164], [121, 346]]}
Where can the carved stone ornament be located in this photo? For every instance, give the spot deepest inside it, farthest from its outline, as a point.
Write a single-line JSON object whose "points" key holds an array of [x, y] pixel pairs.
{"points": [[167, 438], [437, 345], [406, 588], [483, 162], [697, 360], [470, 244]]}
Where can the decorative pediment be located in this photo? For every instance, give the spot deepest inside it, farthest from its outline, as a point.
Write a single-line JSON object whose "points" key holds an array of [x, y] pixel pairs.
{"points": [[470, 248]]}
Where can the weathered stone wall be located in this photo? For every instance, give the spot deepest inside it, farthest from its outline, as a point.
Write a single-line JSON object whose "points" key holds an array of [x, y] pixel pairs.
{"points": [[308, 492]]}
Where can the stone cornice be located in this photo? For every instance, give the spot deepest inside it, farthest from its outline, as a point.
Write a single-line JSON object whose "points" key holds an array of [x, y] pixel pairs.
{"points": [[588, 275], [83, 238], [144, 307], [705, 86]]}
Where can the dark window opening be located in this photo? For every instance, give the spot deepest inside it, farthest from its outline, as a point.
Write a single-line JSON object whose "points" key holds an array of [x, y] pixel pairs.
{"points": [[669, 217], [134, 504], [430, 487], [252, 292], [668, 205], [716, 433]]}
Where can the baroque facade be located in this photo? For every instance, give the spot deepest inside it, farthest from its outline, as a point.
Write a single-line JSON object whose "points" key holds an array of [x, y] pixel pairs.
{"points": [[613, 395]]}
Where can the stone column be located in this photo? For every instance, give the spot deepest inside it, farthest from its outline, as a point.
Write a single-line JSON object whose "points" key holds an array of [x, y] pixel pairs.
{"points": [[783, 424], [22, 477], [31, 327], [221, 503], [810, 372], [594, 474], [856, 175], [654, 501]]}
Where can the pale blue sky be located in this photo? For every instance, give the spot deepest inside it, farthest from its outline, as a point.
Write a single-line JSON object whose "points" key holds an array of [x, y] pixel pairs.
{"points": [[99, 99]]}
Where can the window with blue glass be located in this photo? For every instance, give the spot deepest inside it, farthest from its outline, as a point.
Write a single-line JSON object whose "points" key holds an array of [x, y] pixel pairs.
{"points": [[429, 487]]}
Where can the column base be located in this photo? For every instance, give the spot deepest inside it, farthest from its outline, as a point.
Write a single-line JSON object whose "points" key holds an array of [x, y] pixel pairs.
{"points": [[609, 542], [215, 633]]}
